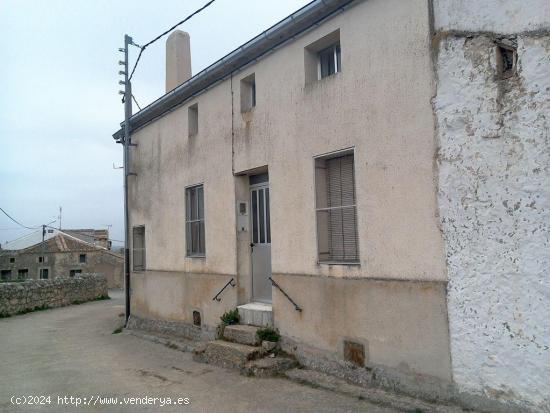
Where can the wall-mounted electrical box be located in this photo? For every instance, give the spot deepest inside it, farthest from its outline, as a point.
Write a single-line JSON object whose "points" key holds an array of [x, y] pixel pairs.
{"points": [[242, 216]]}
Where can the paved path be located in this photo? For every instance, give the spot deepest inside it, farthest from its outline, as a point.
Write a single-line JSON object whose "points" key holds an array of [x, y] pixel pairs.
{"points": [[71, 351]]}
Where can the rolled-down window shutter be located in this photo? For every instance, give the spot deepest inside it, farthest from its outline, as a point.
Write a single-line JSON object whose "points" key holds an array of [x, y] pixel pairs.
{"points": [[340, 215]]}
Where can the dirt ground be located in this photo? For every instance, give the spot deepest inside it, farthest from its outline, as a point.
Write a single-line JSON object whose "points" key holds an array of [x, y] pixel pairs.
{"points": [[71, 351]]}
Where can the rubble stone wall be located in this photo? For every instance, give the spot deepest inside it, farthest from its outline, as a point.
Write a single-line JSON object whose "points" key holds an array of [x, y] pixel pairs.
{"points": [[23, 297]]}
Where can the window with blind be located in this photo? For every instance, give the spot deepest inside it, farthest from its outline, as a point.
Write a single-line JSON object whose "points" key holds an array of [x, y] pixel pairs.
{"points": [[194, 221], [337, 238], [138, 248]]}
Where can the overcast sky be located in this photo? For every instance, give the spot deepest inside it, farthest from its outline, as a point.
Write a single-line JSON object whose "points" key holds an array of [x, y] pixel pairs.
{"points": [[58, 95]]}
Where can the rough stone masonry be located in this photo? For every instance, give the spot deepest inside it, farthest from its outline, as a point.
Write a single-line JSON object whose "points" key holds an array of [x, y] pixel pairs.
{"points": [[21, 297]]}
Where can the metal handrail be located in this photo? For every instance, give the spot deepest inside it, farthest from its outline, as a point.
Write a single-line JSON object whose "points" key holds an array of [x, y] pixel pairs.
{"points": [[230, 282], [296, 306]]}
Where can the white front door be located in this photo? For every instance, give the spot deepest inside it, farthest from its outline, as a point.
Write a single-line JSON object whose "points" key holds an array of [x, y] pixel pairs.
{"points": [[261, 242]]}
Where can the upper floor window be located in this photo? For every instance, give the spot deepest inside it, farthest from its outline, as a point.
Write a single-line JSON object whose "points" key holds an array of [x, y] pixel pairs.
{"points": [[82, 258], [194, 221], [138, 248], [193, 119], [329, 61], [248, 93], [322, 58]]}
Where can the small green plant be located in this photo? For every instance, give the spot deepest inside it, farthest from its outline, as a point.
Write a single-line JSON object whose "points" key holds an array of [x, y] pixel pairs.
{"points": [[117, 330], [230, 317], [268, 334]]}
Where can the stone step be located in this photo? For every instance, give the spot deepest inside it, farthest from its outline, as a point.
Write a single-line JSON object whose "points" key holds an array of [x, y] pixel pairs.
{"points": [[256, 314], [242, 334], [226, 354], [269, 366]]}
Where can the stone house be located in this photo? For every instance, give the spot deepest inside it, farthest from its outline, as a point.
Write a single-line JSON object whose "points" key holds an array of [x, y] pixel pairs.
{"points": [[62, 255], [370, 173]]}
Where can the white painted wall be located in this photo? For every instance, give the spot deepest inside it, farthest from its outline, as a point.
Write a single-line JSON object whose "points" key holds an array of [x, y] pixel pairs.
{"points": [[494, 199]]}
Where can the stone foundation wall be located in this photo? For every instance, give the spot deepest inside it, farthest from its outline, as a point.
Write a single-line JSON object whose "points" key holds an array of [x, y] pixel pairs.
{"points": [[172, 328], [22, 297]]}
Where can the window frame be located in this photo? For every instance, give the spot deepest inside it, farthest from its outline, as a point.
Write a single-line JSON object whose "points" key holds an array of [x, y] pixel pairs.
{"points": [[336, 50], [21, 271], [143, 265], [188, 223], [41, 273], [330, 155], [193, 120], [82, 261]]}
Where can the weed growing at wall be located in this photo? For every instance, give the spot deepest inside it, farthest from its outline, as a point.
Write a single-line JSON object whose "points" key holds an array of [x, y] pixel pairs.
{"points": [[268, 334]]}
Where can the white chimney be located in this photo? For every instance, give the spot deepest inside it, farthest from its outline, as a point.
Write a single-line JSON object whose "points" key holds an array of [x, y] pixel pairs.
{"points": [[178, 59]]}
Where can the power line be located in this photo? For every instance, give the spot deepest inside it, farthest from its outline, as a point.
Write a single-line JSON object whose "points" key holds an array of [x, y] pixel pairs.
{"points": [[142, 48], [17, 222], [134, 99]]}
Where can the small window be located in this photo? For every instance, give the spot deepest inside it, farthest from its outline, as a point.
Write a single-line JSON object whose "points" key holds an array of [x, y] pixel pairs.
{"points": [[138, 248], [5, 275], [506, 60], [248, 93], [41, 259], [82, 258], [12, 260], [322, 58], [23, 274], [193, 119], [44, 273], [329, 61], [72, 273], [194, 221], [337, 239]]}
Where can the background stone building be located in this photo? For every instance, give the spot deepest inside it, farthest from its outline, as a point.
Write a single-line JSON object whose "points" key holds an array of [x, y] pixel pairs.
{"points": [[386, 164], [62, 255]]}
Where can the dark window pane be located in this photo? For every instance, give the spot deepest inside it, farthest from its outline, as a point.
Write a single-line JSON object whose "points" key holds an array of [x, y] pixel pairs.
{"points": [[268, 229], [201, 238], [326, 59], [192, 195], [338, 59], [188, 237], [195, 237], [200, 200], [255, 217], [261, 216]]}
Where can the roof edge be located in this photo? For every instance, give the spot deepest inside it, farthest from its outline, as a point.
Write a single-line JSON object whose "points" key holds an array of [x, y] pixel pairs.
{"points": [[294, 24]]}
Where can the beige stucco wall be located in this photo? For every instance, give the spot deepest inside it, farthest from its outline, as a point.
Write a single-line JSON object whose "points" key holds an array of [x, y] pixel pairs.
{"points": [[379, 105], [403, 325]]}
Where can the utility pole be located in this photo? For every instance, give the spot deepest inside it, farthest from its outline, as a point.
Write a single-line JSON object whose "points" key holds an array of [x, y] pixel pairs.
{"points": [[126, 145], [60, 209]]}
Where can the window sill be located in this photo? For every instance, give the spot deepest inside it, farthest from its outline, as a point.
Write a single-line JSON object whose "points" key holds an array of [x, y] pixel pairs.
{"points": [[195, 256], [355, 264]]}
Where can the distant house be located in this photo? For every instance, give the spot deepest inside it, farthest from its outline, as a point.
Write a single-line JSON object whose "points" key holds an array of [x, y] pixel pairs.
{"points": [[63, 254]]}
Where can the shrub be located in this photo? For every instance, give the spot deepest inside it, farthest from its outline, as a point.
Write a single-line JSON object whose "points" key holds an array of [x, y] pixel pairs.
{"points": [[230, 317], [268, 334]]}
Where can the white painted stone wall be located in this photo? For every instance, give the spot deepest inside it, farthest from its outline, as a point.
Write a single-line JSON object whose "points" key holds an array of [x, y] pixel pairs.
{"points": [[494, 197]]}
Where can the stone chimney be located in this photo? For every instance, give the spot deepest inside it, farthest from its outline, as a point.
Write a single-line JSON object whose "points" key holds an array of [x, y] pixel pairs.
{"points": [[178, 59]]}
